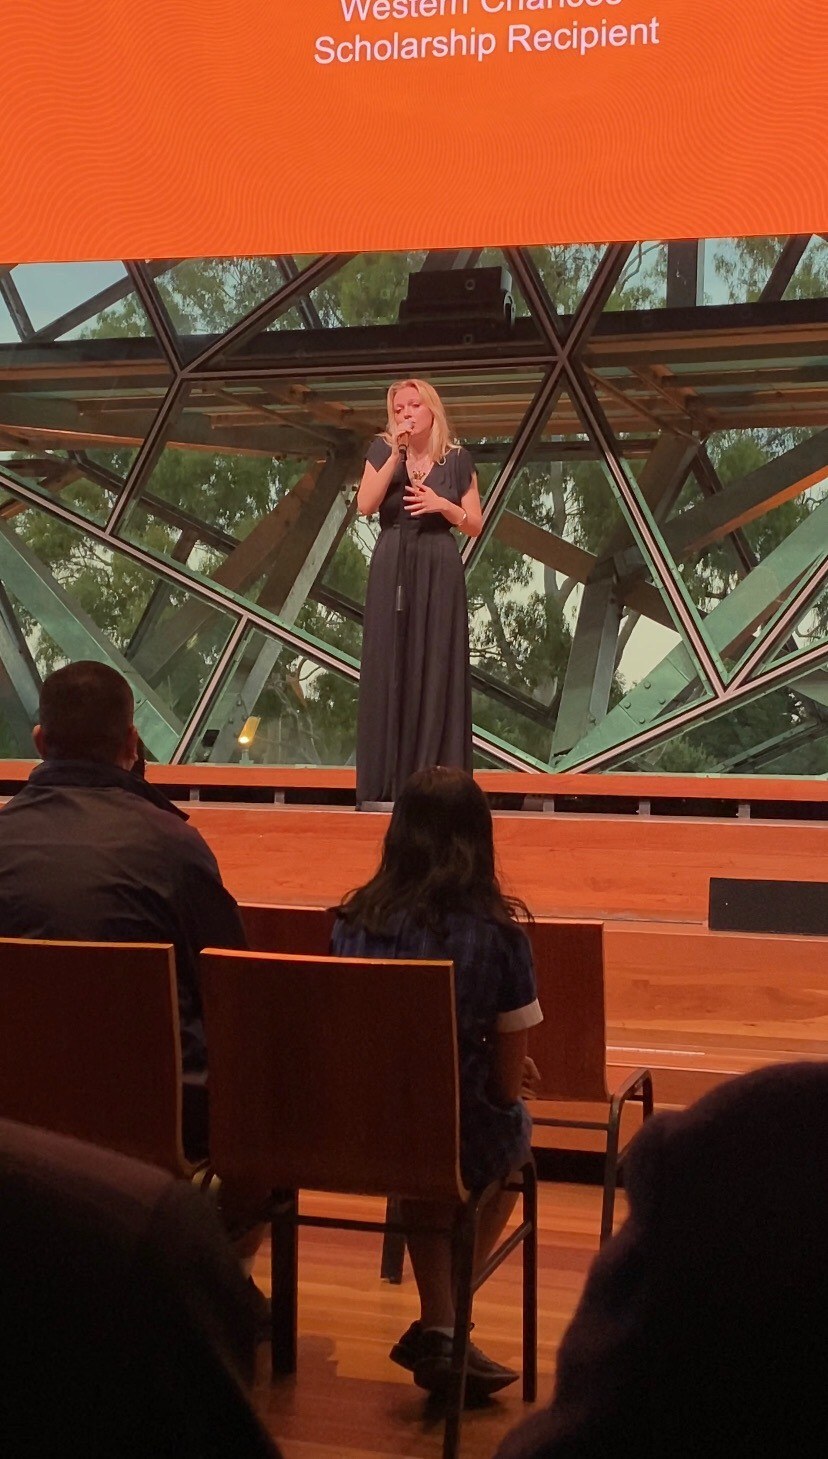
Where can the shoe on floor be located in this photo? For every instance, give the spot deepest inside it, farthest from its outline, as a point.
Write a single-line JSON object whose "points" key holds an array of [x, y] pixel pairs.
{"points": [[406, 1349], [432, 1367]]}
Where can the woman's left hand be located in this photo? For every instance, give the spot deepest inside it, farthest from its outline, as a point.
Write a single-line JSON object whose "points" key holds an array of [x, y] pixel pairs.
{"points": [[420, 500]]}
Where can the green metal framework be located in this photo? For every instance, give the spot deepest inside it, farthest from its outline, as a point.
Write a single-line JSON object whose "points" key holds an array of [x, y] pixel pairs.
{"points": [[180, 439]]}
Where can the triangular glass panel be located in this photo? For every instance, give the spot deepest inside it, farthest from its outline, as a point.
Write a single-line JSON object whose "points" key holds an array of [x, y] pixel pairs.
{"points": [[810, 281], [643, 280], [205, 297], [81, 301], [559, 635], [367, 290], [249, 487], [750, 520], [566, 271], [779, 733], [809, 631], [89, 482], [277, 706], [736, 270], [81, 598]]}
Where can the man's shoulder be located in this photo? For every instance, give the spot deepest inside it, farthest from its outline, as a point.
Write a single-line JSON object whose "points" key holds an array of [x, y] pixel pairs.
{"points": [[169, 829]]}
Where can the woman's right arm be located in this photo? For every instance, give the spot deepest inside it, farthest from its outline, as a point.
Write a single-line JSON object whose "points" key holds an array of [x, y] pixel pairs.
{"points": [[375, 483]]}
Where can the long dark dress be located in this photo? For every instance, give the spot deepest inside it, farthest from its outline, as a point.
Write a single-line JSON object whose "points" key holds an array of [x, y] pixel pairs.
{"points": [[415, 688]]}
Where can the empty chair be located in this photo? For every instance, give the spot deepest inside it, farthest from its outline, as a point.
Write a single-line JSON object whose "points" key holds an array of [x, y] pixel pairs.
{"points": [[570, 1046], [273, 927]]}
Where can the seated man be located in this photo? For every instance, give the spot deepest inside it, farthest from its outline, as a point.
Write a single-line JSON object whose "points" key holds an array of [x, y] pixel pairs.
{"points": [[703, 1327], [91, 852], [128, 1329]]}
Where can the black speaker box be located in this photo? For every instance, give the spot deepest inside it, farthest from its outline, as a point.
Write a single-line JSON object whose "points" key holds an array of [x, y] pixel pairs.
{"points": [[479, 294], [798, 908]]}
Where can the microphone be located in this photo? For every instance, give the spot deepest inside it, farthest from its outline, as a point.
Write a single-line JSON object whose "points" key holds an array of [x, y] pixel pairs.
{"points": [[402, 442]]}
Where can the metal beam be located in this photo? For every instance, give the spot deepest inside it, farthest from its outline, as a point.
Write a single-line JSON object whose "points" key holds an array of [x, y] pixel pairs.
{"points": [[10, 295], [79, 637], [575, 562], [750, 497], [19, 678], [256, 322], [685, 613], [286, 548], [591, 665], [96, 304], [785, 267], [685, 272], [731, 624]]}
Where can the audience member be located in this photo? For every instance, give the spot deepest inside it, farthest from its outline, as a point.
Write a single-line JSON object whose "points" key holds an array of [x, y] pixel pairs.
{"points": [[127, 1326], [703, 1327], [90, 851], [436, 895]]}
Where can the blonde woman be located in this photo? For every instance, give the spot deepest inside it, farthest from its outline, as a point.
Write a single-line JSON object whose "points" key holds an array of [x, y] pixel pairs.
{"points": [[415, 691]]}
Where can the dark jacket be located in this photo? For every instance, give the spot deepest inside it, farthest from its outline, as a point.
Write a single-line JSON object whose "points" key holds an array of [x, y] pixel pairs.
{"points": [[128, 1331], [703, 1327], [89, 852]]}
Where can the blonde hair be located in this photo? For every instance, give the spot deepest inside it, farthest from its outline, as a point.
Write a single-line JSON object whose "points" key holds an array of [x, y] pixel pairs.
{"points": [[441, 440]]}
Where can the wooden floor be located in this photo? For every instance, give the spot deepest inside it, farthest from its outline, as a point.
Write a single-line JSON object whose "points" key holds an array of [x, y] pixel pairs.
{"points": [[348, 1400]]}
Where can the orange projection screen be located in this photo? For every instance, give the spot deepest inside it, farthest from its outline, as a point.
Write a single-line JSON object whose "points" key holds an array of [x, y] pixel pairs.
{"points": [[207, 127]]}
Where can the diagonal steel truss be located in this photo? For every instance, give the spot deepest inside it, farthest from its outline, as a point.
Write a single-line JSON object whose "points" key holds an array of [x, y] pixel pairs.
{"points": [[566, 351]]}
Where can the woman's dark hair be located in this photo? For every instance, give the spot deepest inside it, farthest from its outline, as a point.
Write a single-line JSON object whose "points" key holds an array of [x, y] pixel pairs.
{"points": [[437, 858]]}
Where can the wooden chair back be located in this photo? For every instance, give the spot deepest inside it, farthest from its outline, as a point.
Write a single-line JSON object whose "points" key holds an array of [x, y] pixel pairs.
{"points": [[89, 1044], [570, 1047], [333, 1074], [272, 928]]}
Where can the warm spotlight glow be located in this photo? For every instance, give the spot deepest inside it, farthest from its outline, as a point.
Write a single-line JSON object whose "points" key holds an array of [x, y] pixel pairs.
{"points": [[249, 730]]}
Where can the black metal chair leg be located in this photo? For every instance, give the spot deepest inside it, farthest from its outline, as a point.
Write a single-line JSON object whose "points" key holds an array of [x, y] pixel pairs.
{"points": [[284, 1269], [466, 1232], [530, 1284], [393, 1247], [610, 1172]]}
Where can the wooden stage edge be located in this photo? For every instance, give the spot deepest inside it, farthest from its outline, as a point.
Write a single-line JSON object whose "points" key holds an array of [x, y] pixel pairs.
{"points": [[715, 796]]}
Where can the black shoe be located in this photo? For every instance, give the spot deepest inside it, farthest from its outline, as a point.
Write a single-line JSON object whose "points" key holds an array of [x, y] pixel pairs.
{"points": [[406, 1349], [432, 1367]]}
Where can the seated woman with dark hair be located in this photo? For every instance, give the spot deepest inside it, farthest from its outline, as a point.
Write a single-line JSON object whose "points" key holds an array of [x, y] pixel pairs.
{"points": [[436, 896]]}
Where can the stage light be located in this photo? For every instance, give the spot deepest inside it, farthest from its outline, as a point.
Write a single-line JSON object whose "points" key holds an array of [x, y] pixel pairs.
{"points": [[249, 731]]}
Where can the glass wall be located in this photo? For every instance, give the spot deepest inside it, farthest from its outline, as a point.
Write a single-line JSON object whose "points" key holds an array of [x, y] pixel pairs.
{"points": [[180, 441]]}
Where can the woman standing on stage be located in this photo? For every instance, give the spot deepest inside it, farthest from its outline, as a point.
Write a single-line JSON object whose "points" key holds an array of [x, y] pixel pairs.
{"points": [[415, 688]]}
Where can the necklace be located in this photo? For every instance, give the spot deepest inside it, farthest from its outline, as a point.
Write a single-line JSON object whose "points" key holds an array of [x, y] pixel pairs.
{"points": [[419, 473]]}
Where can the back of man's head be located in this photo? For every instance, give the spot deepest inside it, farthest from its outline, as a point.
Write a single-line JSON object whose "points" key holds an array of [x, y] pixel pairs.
{"points": [[86, 712]]}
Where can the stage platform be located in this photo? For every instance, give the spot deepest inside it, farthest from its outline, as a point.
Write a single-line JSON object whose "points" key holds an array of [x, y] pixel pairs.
{"points": [[635, 852], [713, 797]]}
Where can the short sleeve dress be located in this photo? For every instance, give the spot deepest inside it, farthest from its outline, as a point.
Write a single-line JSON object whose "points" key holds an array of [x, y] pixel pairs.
{"points": [[495, 991], [415, 687]]}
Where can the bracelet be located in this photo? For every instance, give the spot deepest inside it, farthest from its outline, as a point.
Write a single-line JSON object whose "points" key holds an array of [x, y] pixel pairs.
{"points": [[463, 519]]}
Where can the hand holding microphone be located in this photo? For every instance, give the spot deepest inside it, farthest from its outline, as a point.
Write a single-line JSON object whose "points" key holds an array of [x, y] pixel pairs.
{"points": [[403, 436]]}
